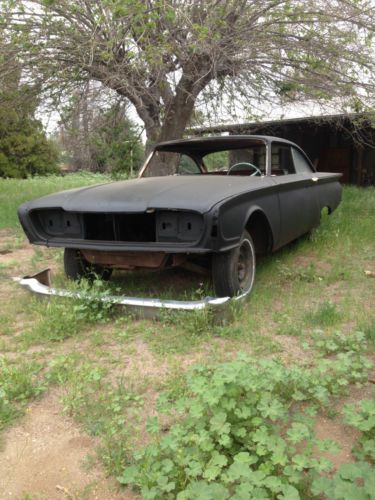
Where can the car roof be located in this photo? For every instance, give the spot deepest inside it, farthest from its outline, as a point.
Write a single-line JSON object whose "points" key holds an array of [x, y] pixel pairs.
{"points": [[211, 143]]}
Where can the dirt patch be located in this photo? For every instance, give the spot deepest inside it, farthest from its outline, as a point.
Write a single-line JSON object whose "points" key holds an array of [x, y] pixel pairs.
{"points": [[292, 350], [44, 456], [13, 257], [343, 435], [336, 430]]}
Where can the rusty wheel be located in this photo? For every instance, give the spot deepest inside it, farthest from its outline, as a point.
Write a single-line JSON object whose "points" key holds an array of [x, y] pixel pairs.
{"points": [[233, 272]]}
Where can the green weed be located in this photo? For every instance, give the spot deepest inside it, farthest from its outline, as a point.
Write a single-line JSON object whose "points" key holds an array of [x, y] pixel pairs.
{"points": [[19, 382], [93, 304], [325, 315]]}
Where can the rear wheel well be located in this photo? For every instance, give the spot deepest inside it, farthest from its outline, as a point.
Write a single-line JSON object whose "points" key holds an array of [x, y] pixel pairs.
{"points": [[260, 231]]}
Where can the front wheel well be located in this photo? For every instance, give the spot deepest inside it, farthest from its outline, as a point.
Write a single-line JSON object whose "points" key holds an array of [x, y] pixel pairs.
{"points": [[260, 231]]}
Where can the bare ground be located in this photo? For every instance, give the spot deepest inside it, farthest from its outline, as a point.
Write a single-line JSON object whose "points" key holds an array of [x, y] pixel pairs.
{"points": [[47, 457]]}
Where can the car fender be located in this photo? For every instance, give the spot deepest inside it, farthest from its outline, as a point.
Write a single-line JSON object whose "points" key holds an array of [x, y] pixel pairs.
{"points": [[235, 213]]}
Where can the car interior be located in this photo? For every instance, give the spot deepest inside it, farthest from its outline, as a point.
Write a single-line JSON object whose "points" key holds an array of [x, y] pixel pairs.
{"points": [[244, 161]]}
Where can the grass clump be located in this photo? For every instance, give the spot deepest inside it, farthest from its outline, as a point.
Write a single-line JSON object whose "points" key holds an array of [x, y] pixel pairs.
{"points": [[57, 322], [246, 428], [19, 383], [325, 315]]}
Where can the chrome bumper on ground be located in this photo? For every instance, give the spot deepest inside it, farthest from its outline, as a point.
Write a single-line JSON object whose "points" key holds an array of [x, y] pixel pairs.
{"points": [[40, 284]]}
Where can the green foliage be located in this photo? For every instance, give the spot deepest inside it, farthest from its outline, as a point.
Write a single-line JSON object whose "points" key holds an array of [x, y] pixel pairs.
{"points": [[140, 50], [363, 419], [24, 148], [19, 383], [115, 144], [243, 431], [93, 304], [339, 342], [352, 482], [217, 161]]}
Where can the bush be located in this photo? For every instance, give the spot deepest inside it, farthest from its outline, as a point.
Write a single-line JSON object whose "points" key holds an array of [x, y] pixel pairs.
{"points": [[24, 148]]}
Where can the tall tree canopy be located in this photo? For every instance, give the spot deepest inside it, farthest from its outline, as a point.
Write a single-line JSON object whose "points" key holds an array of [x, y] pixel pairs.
{"points": [[162, 55]]}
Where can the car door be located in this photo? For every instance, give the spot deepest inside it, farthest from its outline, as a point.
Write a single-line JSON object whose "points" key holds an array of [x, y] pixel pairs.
{"points": [[293, 177]]}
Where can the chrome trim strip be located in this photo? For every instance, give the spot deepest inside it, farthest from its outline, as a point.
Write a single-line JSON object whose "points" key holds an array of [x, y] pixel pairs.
{"points": [[35, 284]]}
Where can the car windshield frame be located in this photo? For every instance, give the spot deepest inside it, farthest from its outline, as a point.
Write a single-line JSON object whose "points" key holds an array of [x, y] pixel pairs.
{"points": [[197, 149]]}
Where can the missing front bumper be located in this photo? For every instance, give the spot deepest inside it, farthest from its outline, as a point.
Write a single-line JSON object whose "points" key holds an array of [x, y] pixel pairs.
{"points": [[40, 284]]}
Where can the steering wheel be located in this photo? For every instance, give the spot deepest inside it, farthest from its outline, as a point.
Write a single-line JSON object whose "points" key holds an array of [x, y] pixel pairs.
{"points": [[244, 164]]}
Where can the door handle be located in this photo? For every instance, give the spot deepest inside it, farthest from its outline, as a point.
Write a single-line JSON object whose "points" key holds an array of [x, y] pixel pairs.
{"points": [[315, 179]]}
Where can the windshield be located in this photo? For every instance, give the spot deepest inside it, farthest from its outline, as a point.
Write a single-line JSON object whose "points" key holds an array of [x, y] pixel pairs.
{"points": [[250, 160]]}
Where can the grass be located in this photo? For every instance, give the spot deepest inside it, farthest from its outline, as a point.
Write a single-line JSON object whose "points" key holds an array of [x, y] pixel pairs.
{"points": [[13, 192], [312, 302], [19, 383]]}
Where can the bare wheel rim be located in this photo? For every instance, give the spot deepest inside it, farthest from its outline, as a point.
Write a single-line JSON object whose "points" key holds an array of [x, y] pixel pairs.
{"points": [[245, 266]]}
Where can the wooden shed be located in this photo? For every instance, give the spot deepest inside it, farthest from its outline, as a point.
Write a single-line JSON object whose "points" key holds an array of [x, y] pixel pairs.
{"points": [[334, 143]]}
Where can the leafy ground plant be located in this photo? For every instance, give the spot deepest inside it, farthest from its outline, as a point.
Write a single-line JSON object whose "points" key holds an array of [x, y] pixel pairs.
{"points": [[362, 417], [352, 482], [246, 428]]}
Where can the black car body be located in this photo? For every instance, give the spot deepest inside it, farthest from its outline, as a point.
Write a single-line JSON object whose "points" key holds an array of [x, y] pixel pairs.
{"points": [[202, 196]]}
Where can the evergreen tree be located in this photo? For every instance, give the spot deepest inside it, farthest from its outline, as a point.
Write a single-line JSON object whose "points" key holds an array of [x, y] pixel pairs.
{"points": [[24, 148]]}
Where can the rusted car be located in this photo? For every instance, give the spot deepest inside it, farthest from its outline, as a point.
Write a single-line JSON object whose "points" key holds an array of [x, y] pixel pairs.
{"points": [[218, 201]]}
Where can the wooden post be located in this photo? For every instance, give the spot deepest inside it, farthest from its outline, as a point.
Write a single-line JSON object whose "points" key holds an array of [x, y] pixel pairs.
{"points": [[359, 150]]}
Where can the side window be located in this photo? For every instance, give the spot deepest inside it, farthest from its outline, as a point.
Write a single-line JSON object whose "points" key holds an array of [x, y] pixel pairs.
{"points": [[217, 161], [300, 163], [187, 166], [282, 161]]}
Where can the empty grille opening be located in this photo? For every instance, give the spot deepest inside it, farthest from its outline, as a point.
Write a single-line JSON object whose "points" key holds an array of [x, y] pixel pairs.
{"points": [[135, 227], [120, 227], [99, 226]]}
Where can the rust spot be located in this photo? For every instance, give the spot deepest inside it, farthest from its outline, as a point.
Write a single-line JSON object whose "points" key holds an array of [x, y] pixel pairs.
{"points": [[133, 260]]}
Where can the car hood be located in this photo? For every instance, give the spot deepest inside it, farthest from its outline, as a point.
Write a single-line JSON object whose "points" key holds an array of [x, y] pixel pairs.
{"points": [[199, 193]]}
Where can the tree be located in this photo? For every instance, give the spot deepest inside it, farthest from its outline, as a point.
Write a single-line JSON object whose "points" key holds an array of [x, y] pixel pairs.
{"points": [[115, 142], [100, 137], [24, 147], [163, 55]]}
